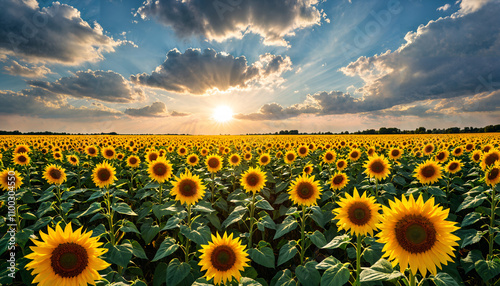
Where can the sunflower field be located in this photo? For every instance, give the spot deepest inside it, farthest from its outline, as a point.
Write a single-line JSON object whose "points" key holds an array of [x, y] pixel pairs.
{"points": [[250, 210]]}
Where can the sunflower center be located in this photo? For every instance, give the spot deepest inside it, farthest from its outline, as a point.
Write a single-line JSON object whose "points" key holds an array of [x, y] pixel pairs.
{"points": [[453, 166], [22, 150], [103, 175], [428, 171], [354, 154], [491, 158], [337, 180], [153, 157], [458, 151], [264, 159], [415, 233], [133, 160], [109, 153], [305, 191], [55, 174], [469, 146], [440, 156], [92, 151], [73, 159], [252, 180], [160, 169], [395, 153], [182, 150], [213, 162], [377, 167], [290, 157], [69, 259], [192, 159], [476, 157], [223, 258], [428, 149], [21, 159], [187, 188], [234, 159], [302, 150], [340, 164], [493, 174], [359, 213], [329, 156]]}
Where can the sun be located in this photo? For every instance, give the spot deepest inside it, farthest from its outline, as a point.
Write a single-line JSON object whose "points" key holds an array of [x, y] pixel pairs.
{"points": [[223, 114]]}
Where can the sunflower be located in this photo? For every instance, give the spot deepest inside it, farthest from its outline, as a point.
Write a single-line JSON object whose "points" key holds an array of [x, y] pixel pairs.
{"points": [[108, 152], [22, 149], [204, 152], [355, 154], [289, 157], [377, 167], [192, 160], [223, 258], [214, 163], [453, 166], [247, 156], [6, 181], [253, 180], [21, 159], [152, 156], [476, 156], [492, 175], [428, 149], [66, 257], [469, 147], [370, 151], [58, 156], [73, 160], [188, 188], [329, 157], [489, 158], [120, 156], [428, 172], [234, 160], [182, 151], [395, 153], [417, 234], [341, 165], [442, 156], [458, 151], [103, 174], [264, 159], [133, 161], [91, 151], [339, 181], [54, 174], [160, 170], [303, 151], [356, 214], [304, 191]]}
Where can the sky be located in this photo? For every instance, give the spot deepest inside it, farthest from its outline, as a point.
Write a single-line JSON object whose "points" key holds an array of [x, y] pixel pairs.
{"points": [[248, 66]]}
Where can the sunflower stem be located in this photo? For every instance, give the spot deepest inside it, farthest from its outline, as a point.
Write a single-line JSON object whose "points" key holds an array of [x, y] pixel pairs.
{"points": [[59, 200], [413, 281], [376, 189], [252, 210], [212, 186], [492, 223], [110, 217], [303, 235], [28, 174], [188, 242], [358, 258]]}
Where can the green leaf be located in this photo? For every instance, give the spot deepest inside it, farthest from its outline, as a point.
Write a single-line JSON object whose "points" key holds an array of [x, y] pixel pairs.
{"points": [[321, 217], [468, 262], [338, 241], [137, 249], [335, 275], [289, 224], [235, 216], [265, 221], [471, 202], [286, 279], [245, 281], [283, 197], [327, 263], [47, 194], [123, 208], [167, 247], [308, 274], [129, 226], [318, 239], [380, 271], [92, 209], [488, 269], [176, 272], [204, 207], [263, 204], [172, 222], [263, 256], [444, 279], [469, 236], [160, 274], [399, 180], [149, 231], [200, 235], [436, 191], [119, 254], [470, 218], [287, 252]]}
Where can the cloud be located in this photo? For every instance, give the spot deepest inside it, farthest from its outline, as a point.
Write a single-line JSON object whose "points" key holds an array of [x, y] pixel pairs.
{"points": [[222, 19], [54, 34], [471, 6], [197, 72], [179, 114], [444, 8], [157, 109], [43, 104], [17, 69], [101, 85]]}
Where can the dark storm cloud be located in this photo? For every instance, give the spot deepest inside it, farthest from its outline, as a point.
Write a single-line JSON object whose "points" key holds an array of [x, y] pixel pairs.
{"points": [[222, 19], [197, 72], [52, 34], [101, 85]]}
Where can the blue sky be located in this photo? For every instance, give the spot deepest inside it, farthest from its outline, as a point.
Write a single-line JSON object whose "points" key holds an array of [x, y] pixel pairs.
{"points": [[166, 66]]}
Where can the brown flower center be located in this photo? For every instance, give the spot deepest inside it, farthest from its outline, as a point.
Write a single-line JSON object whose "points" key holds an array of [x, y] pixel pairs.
{"points": [[428, 149], [457, 151], [160, 169], [377, 167], [152, 157], [264, 159], [337, 180], [110, 153], [55, 173], [491, 158], [440, 156], [22, 159], [103, 174], [469, 147], [187, 188], [354, 154], [22, 150], [303, 150], [415, 233], [213, 163], [305, 190], [132, 161], [290, 157], [476, 157], [395, 153], [223, 258], [428, 171], [340, 164], [192, 159], [253, 180], [359, 213], [453, 166], [234, 159], [92, 150], [486, 149], [493, 174], [69, 259], [72, 159], [329, 156]]}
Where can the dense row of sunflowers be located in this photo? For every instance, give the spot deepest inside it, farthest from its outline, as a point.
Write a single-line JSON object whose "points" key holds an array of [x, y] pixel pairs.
{"points": [[153, 210]]}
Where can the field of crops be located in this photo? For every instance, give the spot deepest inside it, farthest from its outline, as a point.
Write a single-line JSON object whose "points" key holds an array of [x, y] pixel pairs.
{"points": [[250, 210]]}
